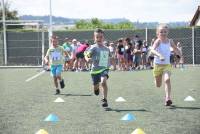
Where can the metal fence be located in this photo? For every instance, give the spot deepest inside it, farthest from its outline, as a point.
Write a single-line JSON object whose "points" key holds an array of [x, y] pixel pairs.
{"points": [[28, 48]]}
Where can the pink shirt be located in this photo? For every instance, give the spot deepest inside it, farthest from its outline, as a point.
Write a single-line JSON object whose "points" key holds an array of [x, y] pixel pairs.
{"points": [[81, 48]]}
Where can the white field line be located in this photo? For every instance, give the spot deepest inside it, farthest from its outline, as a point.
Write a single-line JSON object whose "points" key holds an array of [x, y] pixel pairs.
{"points": [[35, 76]]}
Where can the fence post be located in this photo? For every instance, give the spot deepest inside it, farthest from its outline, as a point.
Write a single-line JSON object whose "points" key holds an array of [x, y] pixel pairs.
{"points": [[146, 33], [4, 33], [50, 23], [43, 41], [193, 52]]}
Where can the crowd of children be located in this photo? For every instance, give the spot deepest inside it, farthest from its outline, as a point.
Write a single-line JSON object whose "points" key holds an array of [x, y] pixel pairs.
{"points": [[126, 55]]}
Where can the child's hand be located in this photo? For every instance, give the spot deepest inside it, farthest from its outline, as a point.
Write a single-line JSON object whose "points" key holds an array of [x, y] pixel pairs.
{"points": [[87, 54], [162, 58], [46, 61]]}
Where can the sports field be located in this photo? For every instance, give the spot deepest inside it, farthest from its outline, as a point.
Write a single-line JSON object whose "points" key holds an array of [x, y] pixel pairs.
{"points": [[25, 105]]}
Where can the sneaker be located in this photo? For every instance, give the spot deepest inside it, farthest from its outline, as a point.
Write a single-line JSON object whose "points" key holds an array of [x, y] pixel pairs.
{"points": [[57, 92], [62, 84], [104, 103], [168, 103], [73, 69], [96, 92]]}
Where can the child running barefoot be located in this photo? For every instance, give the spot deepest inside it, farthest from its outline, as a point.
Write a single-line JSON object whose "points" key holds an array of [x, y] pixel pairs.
{"points": [[99, 54], [162, 67], [55, 57]]}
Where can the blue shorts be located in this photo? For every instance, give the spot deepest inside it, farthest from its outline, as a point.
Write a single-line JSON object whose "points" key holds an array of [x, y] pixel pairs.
{"points": [[96, 78], [137, 59], [56, 70]]}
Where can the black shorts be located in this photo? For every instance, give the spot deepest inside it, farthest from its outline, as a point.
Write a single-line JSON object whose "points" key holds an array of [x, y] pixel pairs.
{"points": [[178, 57], [151, 57], [96, 78], [171, 58], [80, 55]]}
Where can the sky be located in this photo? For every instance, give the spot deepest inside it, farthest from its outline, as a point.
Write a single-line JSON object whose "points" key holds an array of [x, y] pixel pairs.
{"points": [[162, 11]]}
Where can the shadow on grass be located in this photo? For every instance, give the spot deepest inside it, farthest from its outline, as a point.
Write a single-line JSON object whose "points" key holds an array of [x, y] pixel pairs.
{"points": [[126, 110], [76, 94], [189, 108]]}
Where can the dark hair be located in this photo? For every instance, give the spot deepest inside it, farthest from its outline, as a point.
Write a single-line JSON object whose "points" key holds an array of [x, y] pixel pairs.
{"points": [[128, 39], [136, 36], [98, 30], [54, 37], [120, 40]]}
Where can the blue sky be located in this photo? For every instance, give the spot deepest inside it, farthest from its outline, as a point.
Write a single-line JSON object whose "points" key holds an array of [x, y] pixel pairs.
{"points": [[134, 10]]}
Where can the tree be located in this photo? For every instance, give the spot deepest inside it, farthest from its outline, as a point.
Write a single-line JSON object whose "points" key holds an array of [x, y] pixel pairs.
{"points": [[83, 24], [9, 15], [124, 25], [96, 23]]}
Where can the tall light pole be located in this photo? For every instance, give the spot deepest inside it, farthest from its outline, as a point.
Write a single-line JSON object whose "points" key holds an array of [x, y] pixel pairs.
{"points": [[4, 32], [50, 22]]}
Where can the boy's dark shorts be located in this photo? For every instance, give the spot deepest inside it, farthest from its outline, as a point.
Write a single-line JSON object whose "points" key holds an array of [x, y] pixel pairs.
{"points": [[96, 78]]}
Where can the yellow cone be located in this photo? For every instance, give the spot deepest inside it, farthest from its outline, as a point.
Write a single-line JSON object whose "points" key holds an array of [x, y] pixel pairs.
{"points": [[42, 131], [138, 131]]}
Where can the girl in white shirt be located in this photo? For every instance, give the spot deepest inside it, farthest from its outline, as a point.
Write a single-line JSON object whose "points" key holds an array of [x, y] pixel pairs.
{"points": [[162, 66]]}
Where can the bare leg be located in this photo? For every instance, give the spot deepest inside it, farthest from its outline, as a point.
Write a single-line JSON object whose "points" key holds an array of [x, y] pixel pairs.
{"points": [[59, 78], [158, 81], [104, 89], [96, 87], [55, 82], [167, 86]]}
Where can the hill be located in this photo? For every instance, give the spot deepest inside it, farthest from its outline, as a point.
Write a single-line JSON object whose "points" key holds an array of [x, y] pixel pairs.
{"points": [[71, 21]]}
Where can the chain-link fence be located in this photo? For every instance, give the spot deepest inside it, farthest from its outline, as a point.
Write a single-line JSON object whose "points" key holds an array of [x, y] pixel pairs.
{"points": [[26, 48]]}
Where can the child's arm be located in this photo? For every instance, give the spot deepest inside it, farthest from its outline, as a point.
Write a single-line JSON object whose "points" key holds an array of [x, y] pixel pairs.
{"points": [[46, 58], [88, 53], [66, 53], [137, 51], [176, 50], [87, 56], [87, 59], [153, 50]]}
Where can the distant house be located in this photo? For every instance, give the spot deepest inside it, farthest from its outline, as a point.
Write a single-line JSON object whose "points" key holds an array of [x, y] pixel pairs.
{"points": [[195, 20], [31, 25]]}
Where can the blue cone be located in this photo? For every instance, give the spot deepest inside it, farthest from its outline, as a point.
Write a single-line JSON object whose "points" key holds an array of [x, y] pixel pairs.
{"points": [[52, 118], [128, 117]]}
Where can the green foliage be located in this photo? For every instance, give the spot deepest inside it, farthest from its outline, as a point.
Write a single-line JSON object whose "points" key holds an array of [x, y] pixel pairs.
{"points": [[125, 25], [9, 15], [96, 23]]}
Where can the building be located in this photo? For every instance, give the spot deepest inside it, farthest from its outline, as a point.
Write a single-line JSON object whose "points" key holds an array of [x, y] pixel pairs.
{"points": [[195, 20]]}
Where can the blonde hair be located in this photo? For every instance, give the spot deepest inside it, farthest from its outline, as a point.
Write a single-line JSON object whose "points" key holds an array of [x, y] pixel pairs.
{"points": [[162, 26]]}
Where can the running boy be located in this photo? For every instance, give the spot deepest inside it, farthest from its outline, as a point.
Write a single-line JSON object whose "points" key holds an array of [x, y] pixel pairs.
{"points": [[99, 54], [55, 57], [162, 67]]}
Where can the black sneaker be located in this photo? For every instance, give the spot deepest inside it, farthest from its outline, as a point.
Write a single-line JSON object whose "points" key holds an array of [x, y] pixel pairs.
{"points": [[73, 69], [104, 103], [168, 103], [57, 92], [62, 84], [96, 92]]}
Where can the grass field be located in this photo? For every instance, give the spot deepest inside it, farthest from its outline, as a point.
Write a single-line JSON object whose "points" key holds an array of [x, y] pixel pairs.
{"points": [[25, 105]]}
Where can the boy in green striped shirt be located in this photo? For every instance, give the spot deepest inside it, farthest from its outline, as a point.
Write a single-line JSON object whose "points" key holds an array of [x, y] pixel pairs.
{"points": [[99, 55]]}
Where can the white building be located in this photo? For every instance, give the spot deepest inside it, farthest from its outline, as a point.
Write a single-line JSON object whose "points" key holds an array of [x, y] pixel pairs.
{"points": [[195, 20]]}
